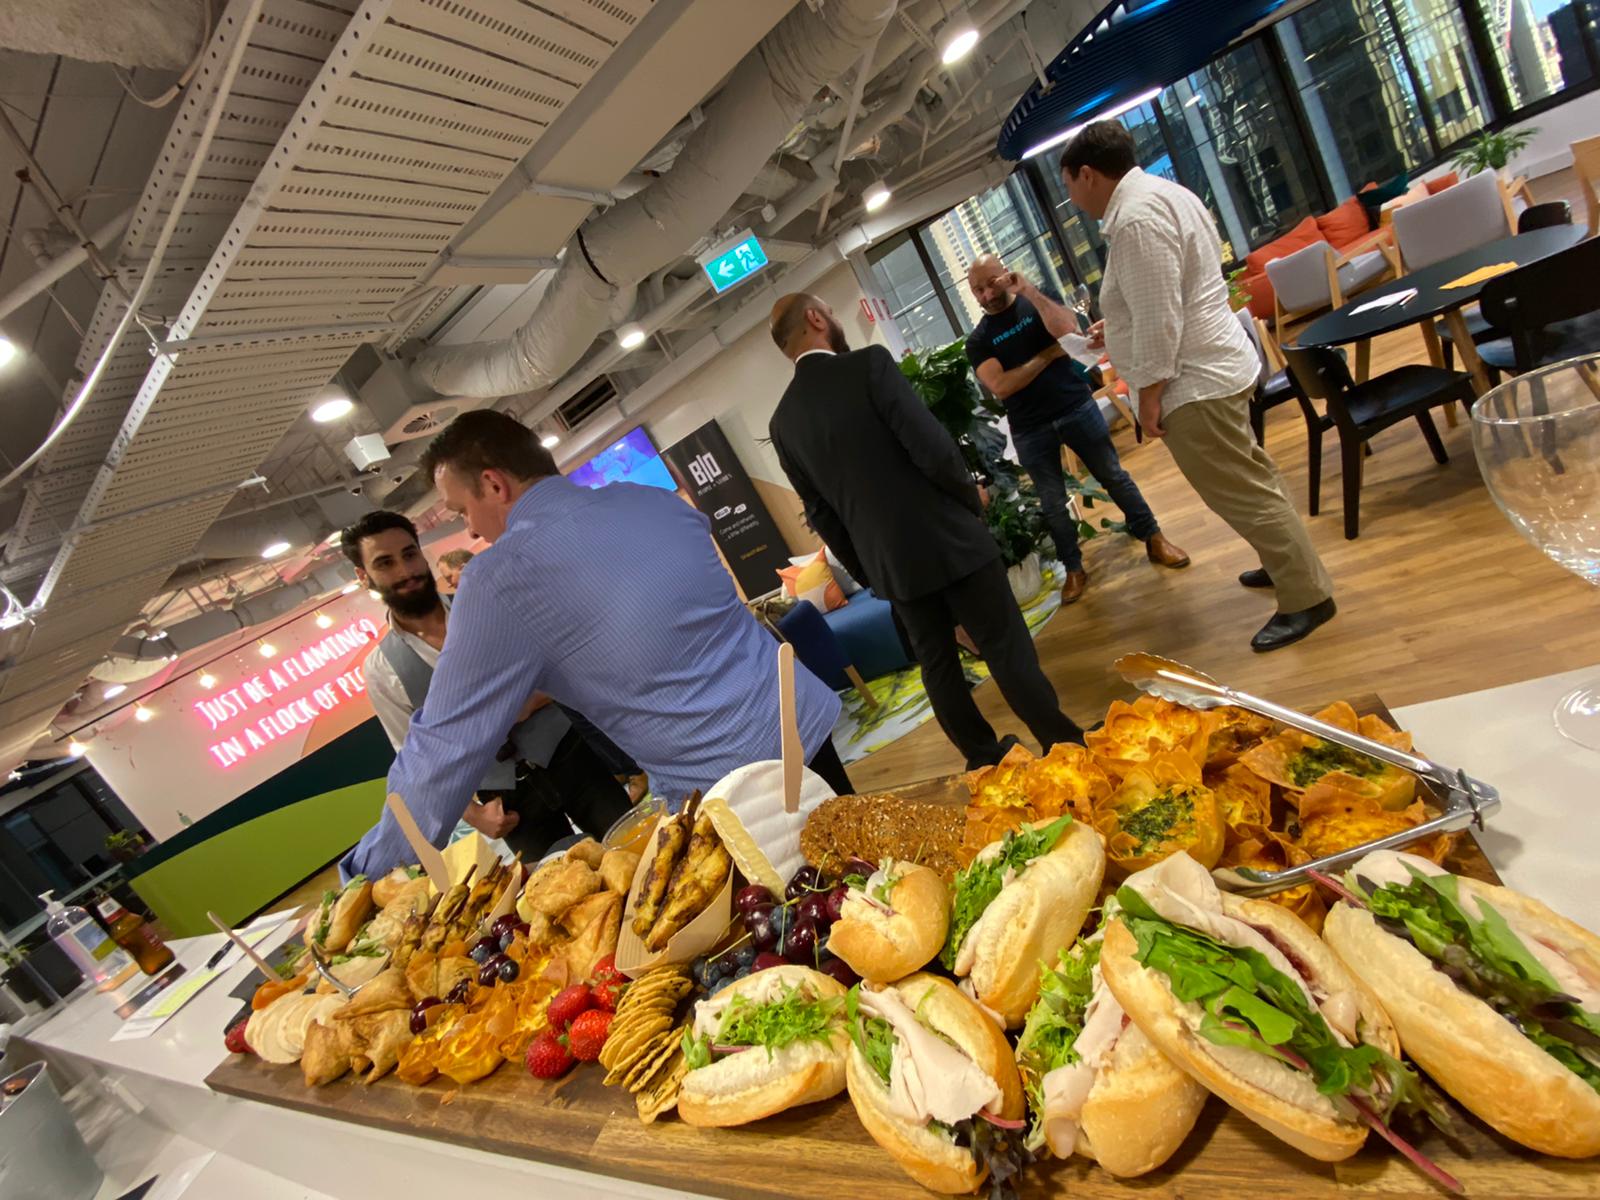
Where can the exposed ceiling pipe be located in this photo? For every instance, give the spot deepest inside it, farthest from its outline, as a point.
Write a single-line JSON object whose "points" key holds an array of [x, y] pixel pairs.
{"points": [[53, 270], [756, 109]]}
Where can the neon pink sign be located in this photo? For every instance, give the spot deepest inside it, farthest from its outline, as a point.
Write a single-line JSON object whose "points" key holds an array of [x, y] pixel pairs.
{"points": [[285, 696]]}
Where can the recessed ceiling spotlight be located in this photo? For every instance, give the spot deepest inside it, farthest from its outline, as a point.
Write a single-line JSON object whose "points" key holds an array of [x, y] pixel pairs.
{"points": [[876, 196], [114, 690], [332, 409], [549, 441], [630, 336], [275, 549], [8, 350], [956, 41]]}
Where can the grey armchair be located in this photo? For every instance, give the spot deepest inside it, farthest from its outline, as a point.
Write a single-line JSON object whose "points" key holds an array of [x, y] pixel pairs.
{"points": [[1473, 212], [1319, 277]]}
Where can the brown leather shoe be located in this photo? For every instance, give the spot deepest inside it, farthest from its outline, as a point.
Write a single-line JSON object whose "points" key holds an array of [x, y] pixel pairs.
{"points": [[1072, 589], [1164, 554]]}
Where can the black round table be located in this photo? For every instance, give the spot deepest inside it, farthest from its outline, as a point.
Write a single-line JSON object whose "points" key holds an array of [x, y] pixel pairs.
{"points": [[1433, 299]]}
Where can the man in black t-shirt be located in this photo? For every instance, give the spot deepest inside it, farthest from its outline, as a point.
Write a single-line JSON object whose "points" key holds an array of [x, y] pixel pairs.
{"points": [[1018, 356]]}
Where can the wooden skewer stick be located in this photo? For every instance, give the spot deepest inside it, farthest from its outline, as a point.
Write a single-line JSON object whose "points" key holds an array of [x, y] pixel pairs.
{"points": [[261, 964], [789, 729]]}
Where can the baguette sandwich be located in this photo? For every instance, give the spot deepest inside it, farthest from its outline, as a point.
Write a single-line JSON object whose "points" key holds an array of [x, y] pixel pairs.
{"points": [[1018, 903], [341, 915], [1243, 996], [1496, 996], [931, 1078], [763, 1044], [893, 922], [1096, 1085]]}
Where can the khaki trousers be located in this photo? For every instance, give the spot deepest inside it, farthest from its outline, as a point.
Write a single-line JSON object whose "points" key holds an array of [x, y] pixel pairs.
{"points": [[1212, 444]]}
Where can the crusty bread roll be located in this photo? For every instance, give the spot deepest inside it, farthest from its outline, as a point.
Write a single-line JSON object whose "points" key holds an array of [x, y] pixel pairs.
{"points": [[744, 1087], [1033, 918], [1140, 1109], [1475, 1054], [1280, 1099], [386, 889], [881, 947], [927, 1157], [349, 914]]}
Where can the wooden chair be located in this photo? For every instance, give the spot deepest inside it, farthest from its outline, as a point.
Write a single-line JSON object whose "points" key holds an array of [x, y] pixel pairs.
{"points": [[1360, 410], [1318, 278], [1586, 166]]}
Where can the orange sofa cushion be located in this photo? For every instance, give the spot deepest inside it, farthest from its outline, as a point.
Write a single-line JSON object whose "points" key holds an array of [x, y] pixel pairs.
{"points": [[1435, 186], [1345, 224], [1255, 279]]}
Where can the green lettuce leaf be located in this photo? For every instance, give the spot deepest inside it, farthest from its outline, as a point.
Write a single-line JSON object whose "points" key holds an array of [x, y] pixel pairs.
{"points": [[793, 1017], [978, 884], [696, 1050], [873, 1036], [1050, 1034]]}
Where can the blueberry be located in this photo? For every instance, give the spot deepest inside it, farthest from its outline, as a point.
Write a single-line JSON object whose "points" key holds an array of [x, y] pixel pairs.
{"points": [[745, 955]]}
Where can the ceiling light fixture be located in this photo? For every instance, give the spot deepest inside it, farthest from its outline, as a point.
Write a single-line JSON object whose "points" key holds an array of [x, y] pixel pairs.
{"points": [[375, 593], [348, 588], [142, 714], [332, 410], [8, 350], [876, 196], [76, 748], [324, 621], [1194, 99], [956, 41], [207, 680], [1066, 135], [267, 649], [549, 441], [631, 336], [275, 549], [114, 690]]}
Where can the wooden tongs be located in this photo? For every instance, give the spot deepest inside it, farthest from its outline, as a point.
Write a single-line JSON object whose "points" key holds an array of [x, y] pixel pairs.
{"points": [[1464, 802]]}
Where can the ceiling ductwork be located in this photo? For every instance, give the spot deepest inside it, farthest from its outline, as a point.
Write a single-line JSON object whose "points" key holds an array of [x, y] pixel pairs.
{"points": [[755, 111]]}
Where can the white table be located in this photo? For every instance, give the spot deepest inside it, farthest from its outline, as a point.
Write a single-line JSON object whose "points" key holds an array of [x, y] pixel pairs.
{"points": [[1544, 841]]}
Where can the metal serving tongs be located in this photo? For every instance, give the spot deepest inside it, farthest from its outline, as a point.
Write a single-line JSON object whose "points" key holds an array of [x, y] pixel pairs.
{"points": [[1465, 802], [319, 960]]}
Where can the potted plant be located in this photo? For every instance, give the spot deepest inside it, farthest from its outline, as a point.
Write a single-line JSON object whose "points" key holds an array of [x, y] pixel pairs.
{"points": [[18, 979], [1492, 150], [125, 845], [1238, 294]]}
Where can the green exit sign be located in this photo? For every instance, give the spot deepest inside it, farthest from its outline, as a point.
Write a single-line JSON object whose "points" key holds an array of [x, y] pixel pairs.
{"points": [[731, 264]]}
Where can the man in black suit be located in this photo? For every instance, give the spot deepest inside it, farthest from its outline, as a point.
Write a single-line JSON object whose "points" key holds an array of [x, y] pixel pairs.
{"points": [[885, 486]]}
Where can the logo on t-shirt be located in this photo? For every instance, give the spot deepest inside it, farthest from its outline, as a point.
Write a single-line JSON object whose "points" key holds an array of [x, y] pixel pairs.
{"points": [[1023, 323]]}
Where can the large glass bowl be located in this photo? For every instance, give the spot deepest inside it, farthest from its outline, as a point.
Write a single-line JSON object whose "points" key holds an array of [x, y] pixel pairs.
{"points": [[1537, 438]]}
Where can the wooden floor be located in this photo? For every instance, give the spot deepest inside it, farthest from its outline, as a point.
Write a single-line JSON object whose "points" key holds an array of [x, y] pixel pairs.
{"points": [[1437, 596]]}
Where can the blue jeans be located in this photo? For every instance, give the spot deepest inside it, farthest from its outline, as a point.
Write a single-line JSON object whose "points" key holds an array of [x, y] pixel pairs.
{"points": [[1084, 432]]}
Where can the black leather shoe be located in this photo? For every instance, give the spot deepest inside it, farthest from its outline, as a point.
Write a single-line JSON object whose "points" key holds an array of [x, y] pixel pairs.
{"points": [[1257, 578], [994, 756], [1287, 628]]}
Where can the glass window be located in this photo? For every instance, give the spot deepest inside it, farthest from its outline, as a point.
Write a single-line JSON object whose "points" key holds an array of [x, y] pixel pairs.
{"points": [[1239, 147], [903, 280], [1345, 59], [1434, 33], [1004, 221], [1544, 46]]}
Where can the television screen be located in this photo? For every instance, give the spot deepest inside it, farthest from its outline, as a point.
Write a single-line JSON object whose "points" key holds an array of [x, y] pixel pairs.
{"points": [[630, 459]]}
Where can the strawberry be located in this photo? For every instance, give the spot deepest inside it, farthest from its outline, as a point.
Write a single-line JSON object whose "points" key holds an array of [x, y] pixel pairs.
{"points": [[607, 983], [587, 1034], [567, 1004], [234, 1039], [548, 1057]]}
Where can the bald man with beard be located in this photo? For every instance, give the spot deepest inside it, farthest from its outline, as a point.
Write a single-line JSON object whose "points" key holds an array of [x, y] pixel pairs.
{"points": [[885, 485]]}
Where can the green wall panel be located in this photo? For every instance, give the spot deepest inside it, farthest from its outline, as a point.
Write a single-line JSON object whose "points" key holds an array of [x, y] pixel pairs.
{"points": [[245, 867]]}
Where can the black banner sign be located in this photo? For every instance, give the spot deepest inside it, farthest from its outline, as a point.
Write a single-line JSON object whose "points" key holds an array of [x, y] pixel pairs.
{"points": [[707, 470]]}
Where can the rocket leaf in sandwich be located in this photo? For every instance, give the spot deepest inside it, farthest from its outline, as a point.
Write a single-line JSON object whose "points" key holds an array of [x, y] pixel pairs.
{"points": [[873, 1036], [977, 884], [1049, 1037], [1486, 958], [792, 1017], [1249, 1002], [325, 917]]}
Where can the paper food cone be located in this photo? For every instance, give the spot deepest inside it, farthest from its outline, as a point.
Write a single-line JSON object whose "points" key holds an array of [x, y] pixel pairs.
{"points": [[698, 936], [507, 901], [755, 794]]}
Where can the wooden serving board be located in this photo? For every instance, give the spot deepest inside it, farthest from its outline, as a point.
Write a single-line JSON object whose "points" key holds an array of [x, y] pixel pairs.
{"points": [[822, 1150]]}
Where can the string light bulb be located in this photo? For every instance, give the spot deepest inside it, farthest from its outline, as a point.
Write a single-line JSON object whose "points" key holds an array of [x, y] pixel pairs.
{"points": [[324, 621], [207, 680], [142, 714], [266, 649], [76, 748]]}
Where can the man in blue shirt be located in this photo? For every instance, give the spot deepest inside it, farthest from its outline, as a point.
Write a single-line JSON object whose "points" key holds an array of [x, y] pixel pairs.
{"points": [[612, 601]]}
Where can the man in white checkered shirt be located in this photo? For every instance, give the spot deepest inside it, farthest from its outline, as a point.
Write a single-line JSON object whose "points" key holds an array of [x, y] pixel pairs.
{"points": [[1170, 333]]}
